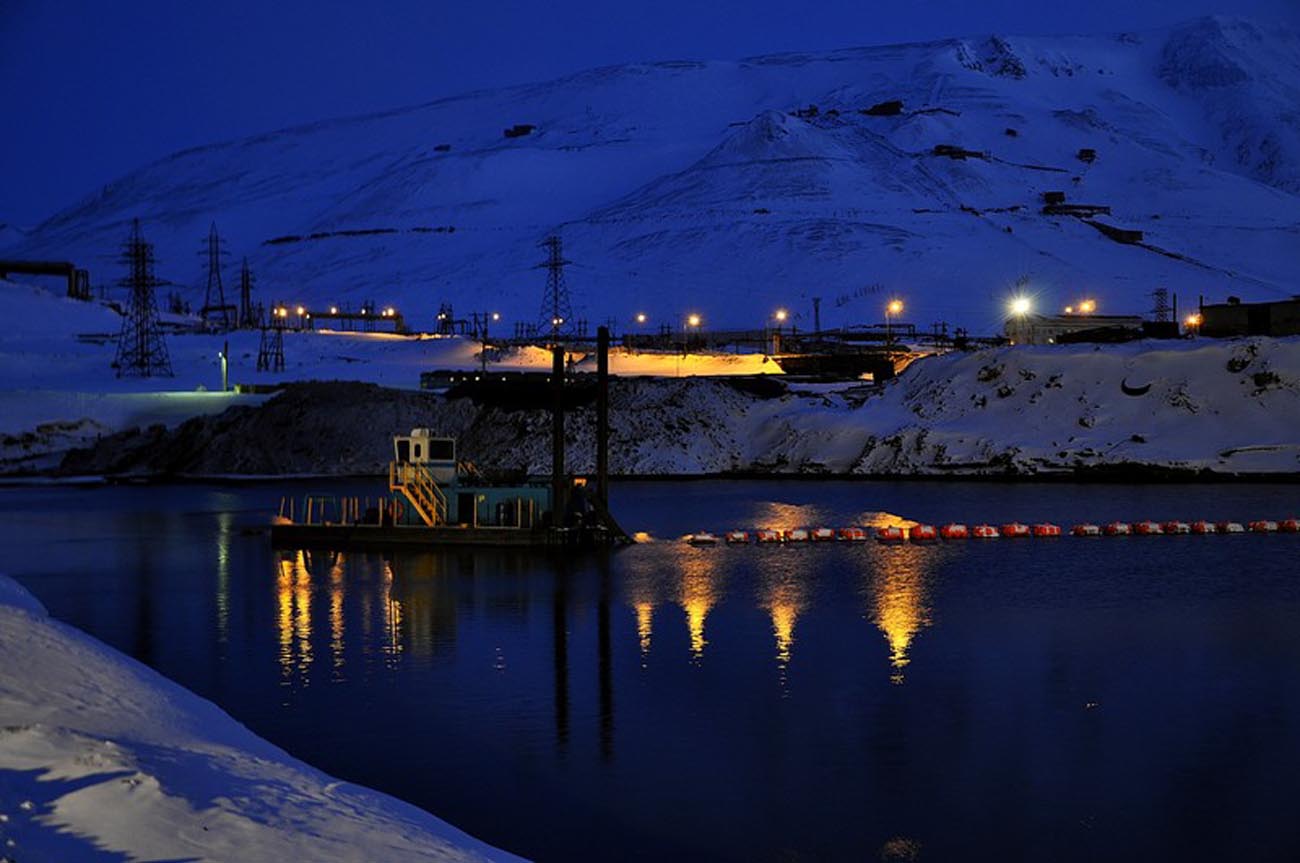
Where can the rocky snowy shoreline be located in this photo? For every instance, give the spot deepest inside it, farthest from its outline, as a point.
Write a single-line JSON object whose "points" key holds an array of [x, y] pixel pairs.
{"points": [[1157, 409], [101, 756]]}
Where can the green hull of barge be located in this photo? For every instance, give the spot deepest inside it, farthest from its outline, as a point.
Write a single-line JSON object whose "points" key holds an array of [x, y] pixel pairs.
{"points": [[340, 536]]}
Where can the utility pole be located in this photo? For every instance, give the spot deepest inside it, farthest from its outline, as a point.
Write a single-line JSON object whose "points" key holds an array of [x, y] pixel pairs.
{"points": [[481, 320], [141, 350], [817, 315]]}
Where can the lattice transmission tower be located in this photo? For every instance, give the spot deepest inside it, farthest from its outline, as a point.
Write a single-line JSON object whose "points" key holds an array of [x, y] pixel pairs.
{"points": [[141, 350], [249, 315], [216, 313], [270, 350], [556, 315], [1161, 311]]}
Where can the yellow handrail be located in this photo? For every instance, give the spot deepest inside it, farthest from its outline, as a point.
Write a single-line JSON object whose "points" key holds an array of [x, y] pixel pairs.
{"points": [[421, 489]]}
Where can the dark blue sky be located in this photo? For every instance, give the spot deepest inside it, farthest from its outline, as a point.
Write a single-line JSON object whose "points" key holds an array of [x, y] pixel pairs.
{"points": [[90, 90]]}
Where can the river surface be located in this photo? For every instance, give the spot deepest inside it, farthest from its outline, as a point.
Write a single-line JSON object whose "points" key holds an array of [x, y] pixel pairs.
{"points": [[1069, 699]]}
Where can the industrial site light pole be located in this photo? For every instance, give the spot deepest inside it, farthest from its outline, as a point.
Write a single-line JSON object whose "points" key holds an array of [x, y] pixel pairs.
{"points": [[481, 321], [892, 309]]}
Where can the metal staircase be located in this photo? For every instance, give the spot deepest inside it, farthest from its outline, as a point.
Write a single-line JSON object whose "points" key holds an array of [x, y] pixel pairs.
{"points": [[417, 485]]}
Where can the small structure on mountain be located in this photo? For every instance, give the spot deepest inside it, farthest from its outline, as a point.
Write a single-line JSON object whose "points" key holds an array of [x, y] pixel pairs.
{"points": [[78, 279], [952, 151], [1053, 198], [892, 108], [1083, 211], [1128, 236], [519, 130], [1087, 154]]}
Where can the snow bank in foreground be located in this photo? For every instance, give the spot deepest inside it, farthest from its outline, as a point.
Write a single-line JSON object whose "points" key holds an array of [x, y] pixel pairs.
{"points": [[101, 756]]}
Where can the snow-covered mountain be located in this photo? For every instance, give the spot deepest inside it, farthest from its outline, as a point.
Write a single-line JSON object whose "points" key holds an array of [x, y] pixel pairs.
{"points": [[714, 187]]}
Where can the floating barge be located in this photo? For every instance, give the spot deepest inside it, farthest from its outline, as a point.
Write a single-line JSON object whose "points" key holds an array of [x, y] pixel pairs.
{"points": [[434, 500]]}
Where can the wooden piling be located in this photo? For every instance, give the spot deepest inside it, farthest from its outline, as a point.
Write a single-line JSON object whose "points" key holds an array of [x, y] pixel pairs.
{"points": [[557, 436], [602, 416]]}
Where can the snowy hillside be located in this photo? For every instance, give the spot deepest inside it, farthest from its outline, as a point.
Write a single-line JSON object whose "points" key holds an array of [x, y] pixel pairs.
{"points": [[694, 186], [104, 759], [1226, 407]]}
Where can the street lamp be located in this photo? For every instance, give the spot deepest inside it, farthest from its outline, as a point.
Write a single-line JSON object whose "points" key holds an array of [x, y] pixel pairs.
{"points": [[1193, 322], [892, 310], [481, 320], [224, 355], [1087, 307], [641, 317], [1020, 306]]}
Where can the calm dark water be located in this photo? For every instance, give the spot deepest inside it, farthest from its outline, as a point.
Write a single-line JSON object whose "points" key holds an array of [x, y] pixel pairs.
{"points": [[1113, 699]]}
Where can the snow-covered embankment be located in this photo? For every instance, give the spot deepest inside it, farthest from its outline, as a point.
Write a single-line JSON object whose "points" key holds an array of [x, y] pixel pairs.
{"points": [[1228, 407], [101, 756]]}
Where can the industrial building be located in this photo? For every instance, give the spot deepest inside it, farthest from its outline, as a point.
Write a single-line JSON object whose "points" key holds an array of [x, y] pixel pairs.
{"points": [[1235, 318], [1033, 329]]}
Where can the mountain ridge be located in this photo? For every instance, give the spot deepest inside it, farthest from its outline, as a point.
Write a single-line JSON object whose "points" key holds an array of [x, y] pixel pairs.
{"points": [[1192, 150]]}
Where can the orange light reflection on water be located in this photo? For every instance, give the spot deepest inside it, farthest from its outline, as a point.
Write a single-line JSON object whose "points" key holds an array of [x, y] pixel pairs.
{"points": [[293, 618], [697, 593], [899, 608]]}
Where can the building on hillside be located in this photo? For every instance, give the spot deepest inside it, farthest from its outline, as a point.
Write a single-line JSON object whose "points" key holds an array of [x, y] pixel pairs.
{"points": [[1235, 318], [1032, 329]]}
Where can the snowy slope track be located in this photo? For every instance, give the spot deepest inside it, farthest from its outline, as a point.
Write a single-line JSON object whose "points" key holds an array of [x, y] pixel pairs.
{"points": [[103, 759]]}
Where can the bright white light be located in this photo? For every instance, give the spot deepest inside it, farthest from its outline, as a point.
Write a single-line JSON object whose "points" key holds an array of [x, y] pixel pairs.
{"points": [[895, 307], [781, 314], [693, 321], [640, 317], [1021, 306], [496, 316]]}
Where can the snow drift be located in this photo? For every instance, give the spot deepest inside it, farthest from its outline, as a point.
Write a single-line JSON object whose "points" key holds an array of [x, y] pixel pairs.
{"points": [[1188, 406], [101, 757]]}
